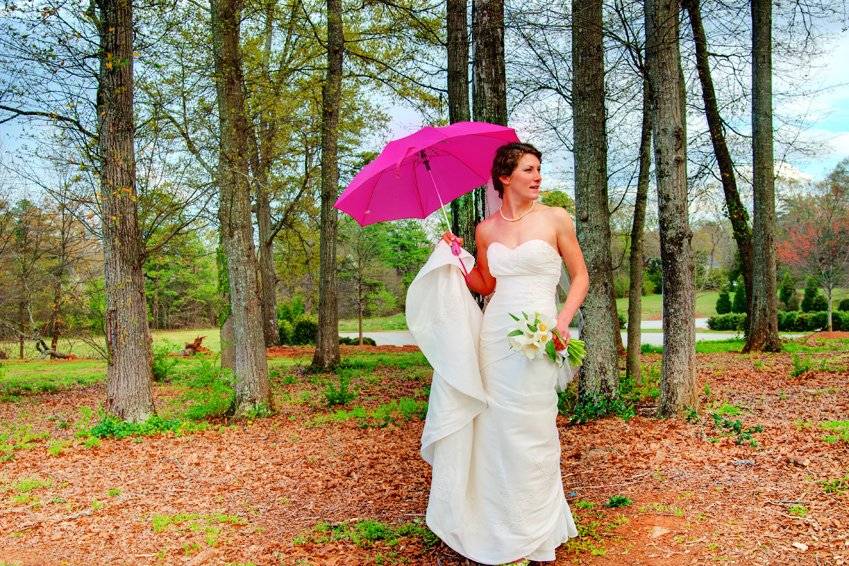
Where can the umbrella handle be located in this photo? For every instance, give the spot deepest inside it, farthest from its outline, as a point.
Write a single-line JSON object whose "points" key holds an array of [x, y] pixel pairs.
{"points": [[455, 249]]}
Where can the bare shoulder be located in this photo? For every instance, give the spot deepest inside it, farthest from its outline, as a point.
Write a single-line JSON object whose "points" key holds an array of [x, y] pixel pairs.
{"points": [[483, 231], [558, 216]]}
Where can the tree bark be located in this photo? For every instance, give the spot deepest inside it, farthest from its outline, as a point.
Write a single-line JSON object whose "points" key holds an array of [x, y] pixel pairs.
{"points": [[234, 214], [737, 213], [763, 322], [678, 377], [128, 374], [458, 61], [327, 344], [489, 86], [267, 274], [462, 208], [636, 259], [600, 373], [262, 135]]}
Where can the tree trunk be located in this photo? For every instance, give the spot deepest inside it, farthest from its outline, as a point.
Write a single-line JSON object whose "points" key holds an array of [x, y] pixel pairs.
{"points": [[262, 135], [678, 377], [737, 213], [635, 267], [228, 352], [489, 87], [600, 372], [327, 345], [763, 323], [223, 318], [21, 329], [56, 308], [128, 373], [462, 208], [360, 300], [829, 308], [234, 214], [267, 275]]}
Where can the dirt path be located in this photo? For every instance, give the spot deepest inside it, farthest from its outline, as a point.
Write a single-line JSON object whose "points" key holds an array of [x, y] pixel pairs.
{"points": [[254, 493]]}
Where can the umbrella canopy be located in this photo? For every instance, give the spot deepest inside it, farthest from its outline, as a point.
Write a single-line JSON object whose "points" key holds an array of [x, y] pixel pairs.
{"points": [[415, 175]]}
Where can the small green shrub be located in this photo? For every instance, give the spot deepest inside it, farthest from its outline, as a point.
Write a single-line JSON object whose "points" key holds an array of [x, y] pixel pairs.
{"points": [[813, 299], [292, 309], [304, 331], [163, 361], [617, 501], [355, 341], [209, 391], [800, 365], [649, 287], [838, 431], [731, 321], [735, 428], [843, 305], [728, 410], [723, 303], [284, 331], [597, 406], [739, 304], [112, 427], [365, 533], [836, 485], [341, 394], [798, 510], [620, 286]]}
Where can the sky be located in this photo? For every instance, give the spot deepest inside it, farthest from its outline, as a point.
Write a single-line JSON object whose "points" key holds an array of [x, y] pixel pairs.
{"points": [[825, 113], [828, 110]]}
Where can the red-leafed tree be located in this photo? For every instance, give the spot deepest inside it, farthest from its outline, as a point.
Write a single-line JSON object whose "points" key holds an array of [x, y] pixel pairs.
{"points": [[816, 233]]}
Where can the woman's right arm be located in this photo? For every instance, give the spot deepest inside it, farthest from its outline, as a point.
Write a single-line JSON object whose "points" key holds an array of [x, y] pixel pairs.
{"points": [[479, 279]]}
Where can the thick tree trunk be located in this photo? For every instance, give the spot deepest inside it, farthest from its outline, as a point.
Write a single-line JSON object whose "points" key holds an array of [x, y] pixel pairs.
{"points": [[678, 378], [489, 87], [327, 345], [600, 373], [458, 61], [128, 374], [737, 213], [250, 365], [462, 208], [763, 322], [635, 267]]}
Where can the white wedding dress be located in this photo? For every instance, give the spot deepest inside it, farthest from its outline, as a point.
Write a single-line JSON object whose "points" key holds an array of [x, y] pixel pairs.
{"points": [[490, 434]]}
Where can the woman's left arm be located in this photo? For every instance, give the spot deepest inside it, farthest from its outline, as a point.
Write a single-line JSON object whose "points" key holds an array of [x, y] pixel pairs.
{"points": [[579, 280]]}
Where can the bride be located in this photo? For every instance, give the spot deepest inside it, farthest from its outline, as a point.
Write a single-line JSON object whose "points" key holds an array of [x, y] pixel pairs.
{"points": [[490, 434]]}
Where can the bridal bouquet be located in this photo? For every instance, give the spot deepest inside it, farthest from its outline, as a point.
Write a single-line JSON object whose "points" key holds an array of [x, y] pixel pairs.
{"points": [[536, 336]]}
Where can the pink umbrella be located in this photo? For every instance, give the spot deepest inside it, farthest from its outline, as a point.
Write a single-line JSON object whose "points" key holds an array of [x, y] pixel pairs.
{"points": [[402, 181]]}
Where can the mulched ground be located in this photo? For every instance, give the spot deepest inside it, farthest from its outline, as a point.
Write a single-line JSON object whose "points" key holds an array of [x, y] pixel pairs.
{"points": [[249, 492]]}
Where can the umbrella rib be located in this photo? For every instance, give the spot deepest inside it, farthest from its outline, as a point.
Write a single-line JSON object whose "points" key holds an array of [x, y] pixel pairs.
{"points": [[374, 188], [448, 151], [418, 194]]}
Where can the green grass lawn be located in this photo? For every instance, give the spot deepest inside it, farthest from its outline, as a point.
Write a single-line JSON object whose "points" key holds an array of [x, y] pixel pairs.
{"points": [[652, 305], [37, 376], [376, 324]]}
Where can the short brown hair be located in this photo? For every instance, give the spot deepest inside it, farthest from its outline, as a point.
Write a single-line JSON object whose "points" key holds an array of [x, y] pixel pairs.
{"points": [[506, 159]]}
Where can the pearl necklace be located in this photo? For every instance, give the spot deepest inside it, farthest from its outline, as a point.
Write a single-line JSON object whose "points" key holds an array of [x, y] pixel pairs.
{"points": [[501, 212]]}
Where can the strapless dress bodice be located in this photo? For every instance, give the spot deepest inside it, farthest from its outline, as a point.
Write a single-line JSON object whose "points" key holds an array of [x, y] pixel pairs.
{"points": [[528, 271]]}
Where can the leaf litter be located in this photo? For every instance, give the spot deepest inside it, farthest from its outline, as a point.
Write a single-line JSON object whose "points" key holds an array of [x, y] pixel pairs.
{"points": [[281, 490]]}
